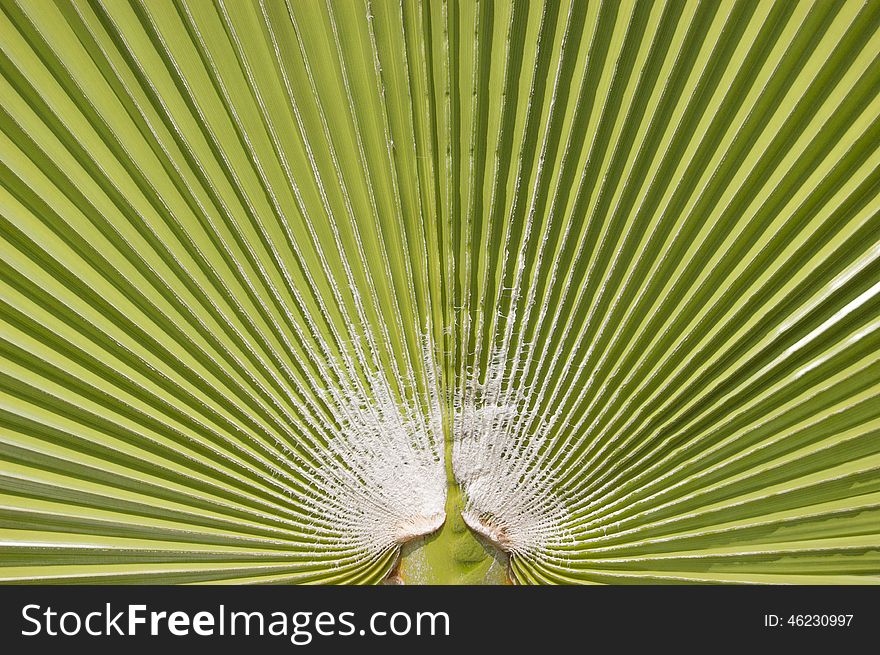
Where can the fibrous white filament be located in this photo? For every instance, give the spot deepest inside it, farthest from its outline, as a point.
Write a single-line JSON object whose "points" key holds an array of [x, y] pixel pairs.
{"points": [[382, 478], [508, 499]]}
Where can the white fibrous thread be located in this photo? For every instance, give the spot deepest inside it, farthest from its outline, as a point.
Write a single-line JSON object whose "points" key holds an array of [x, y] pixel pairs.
{"points": [[382, 479], [509, 497], [388, 476]]}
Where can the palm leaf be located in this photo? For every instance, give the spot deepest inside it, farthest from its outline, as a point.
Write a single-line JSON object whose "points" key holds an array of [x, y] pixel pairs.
{"points": [[289, 285]]}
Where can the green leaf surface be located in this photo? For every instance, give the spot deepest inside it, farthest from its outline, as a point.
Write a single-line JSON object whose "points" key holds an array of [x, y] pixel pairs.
{"points": [[286, 285]]}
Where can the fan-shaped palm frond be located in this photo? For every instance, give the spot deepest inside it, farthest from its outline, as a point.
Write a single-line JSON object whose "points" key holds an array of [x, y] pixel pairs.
{"points": [[289, 285]]}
